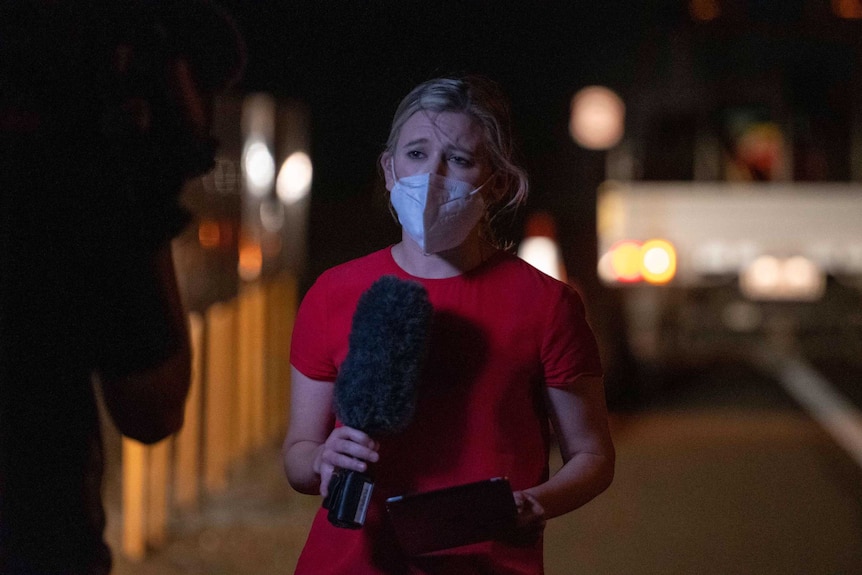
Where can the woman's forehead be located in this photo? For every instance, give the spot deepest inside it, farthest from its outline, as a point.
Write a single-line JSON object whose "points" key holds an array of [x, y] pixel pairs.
{"points": [[447, 128]]}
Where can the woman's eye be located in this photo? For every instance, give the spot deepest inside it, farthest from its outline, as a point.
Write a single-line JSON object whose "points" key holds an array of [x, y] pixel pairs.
{"points": [[461, 161], [415, 154]]}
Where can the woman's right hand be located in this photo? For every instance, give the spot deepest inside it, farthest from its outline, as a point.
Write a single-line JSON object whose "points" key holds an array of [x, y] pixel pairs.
{"points": [[347, 448]]}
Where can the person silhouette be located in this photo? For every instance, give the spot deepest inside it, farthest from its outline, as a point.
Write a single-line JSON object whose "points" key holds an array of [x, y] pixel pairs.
{"points": [[103, 118]]}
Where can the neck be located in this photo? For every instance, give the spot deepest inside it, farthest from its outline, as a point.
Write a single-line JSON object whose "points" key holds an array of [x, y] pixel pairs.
{"points": [[450, 263]]}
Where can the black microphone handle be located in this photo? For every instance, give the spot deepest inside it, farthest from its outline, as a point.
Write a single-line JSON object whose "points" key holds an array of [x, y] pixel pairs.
{"points": [[348, 498]]}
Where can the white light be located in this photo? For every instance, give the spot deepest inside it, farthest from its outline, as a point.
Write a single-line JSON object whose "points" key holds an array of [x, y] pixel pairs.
{"points": [[766, 272], [294, 178], [800, 272], [543, 254], [797, 278], [259, 168], [597, 118], [656, 261], [605, 268]]}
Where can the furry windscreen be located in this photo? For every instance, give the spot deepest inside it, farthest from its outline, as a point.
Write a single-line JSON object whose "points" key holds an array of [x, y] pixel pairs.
{"points": [[376, 388]]}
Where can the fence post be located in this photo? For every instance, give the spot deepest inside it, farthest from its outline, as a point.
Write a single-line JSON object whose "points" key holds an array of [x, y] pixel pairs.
{"points": [[251, 368], [134, 466], [219, 395], [158, 474], [281, 310], [187, 473]]}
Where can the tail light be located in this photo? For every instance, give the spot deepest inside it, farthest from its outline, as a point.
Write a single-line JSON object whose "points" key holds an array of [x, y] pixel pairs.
{"points": [[629, 261]]}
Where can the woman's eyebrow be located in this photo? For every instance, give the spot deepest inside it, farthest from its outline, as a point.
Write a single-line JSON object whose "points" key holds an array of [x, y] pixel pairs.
{"points": [[416, 142], [460, 149], [451, 146]]}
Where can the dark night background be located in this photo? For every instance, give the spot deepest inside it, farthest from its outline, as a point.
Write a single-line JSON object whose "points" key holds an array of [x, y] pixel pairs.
{"points": [[351, 61]]}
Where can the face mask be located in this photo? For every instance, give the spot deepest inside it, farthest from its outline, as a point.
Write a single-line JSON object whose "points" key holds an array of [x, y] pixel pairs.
{"points": [[437, 212]]}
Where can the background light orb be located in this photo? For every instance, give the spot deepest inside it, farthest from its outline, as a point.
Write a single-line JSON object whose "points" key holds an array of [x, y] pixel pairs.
{"points": [[597, 120], [259, 168], [294, 178]]}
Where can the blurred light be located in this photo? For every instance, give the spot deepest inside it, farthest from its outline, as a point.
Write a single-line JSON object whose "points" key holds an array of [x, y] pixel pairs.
{"points": [[760, 149], [209, 234], [714, 257], [271, 215], [848, 9], [764, 274], [800, 272], [294, 178], [610, 217], [605, 270], [625, 262], [704, 10], [597, 118], [542, 253], [658, 261], [770, 278], [259, 168], [250, 261], [257, 125], [631, 261]]}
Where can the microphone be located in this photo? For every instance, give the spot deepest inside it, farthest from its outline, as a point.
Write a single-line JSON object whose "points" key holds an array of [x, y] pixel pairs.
{"points": [[376, 387]]}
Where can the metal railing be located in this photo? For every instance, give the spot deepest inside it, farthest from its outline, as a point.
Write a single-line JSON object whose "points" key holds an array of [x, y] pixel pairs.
{"points": [[237, 405]]}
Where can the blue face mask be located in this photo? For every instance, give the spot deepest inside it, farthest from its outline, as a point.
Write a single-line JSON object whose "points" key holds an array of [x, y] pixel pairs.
{"points": [[437, 212]]}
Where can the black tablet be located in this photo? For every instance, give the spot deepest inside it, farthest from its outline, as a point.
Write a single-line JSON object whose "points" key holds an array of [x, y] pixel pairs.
{"points": [[453, 516]]}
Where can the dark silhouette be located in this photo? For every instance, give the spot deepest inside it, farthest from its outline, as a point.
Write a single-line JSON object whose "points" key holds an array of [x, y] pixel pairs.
{"points": [[104, 115]]}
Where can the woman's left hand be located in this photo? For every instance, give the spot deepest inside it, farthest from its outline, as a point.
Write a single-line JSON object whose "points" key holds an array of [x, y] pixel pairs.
{"points": [[530, 522]]}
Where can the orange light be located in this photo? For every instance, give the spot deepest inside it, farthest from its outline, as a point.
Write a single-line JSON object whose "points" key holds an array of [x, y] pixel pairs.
{"points": [[250, 261], [704, 10], [209, 234], [625, 262], [847, 9], [631, 261]]}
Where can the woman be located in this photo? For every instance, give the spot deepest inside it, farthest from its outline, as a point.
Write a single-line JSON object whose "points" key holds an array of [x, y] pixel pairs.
{"points": [[509, 352]]}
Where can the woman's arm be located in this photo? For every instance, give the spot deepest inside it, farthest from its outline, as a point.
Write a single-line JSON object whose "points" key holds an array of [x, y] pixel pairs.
{"points": [[580, 420], [149, 404], [312, 448]]}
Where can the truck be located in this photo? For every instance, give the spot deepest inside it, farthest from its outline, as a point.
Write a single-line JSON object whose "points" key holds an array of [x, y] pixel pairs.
{"points": [[708, 271]]}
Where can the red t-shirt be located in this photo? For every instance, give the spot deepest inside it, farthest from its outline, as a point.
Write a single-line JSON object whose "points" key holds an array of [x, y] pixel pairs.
{"points": [[500, 333]]}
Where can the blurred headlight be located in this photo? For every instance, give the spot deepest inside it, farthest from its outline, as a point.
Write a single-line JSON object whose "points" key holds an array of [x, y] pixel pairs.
{"points": [[793, 279], [658, 261], [625, 262], [629, 261]]}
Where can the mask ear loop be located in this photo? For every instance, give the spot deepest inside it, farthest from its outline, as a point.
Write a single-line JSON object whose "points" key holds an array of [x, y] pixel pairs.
{"points": [[392, 169], [392, 211]]}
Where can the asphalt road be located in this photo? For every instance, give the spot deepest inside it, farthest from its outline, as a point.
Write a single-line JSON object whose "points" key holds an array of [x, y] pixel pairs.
{"points": [[719, 473]]}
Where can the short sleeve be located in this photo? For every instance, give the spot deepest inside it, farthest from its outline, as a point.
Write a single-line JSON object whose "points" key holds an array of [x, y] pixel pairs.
{"points": [[311, 343], [569, 349]]}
